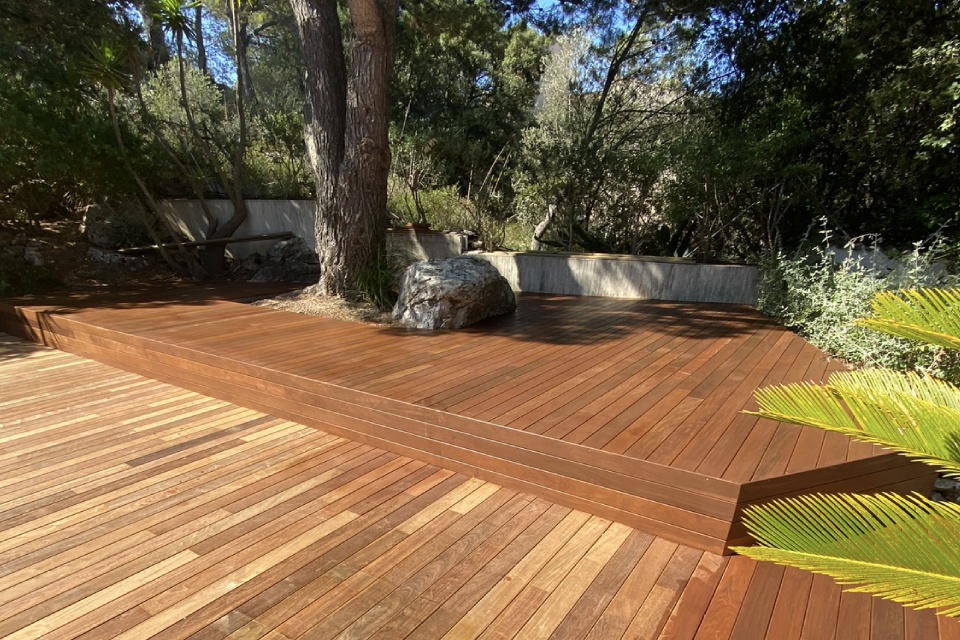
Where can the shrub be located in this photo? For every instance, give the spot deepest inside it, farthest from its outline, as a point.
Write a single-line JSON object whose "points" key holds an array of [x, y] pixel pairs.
{"points": [[821, 294], [379, 284], [18, 277]]}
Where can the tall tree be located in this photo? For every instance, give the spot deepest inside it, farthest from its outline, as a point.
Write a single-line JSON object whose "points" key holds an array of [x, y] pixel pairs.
{"points": [[346, 130]]}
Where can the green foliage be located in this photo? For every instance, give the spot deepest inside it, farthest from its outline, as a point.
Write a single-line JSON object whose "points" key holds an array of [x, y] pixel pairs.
{"points": [[464, 86], [900, 548], [822, 299], [379, 283], [443, 207], [596, 155], [18, 277], [913, 414], [56, 142], [875, 85]]}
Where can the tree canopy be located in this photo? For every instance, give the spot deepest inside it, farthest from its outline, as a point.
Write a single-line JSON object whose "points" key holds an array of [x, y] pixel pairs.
{"points": [[714, 129]]}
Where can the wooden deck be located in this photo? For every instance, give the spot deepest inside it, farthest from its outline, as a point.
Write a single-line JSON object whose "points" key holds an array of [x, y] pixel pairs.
{"points": [[134, 509], [629, 410]]}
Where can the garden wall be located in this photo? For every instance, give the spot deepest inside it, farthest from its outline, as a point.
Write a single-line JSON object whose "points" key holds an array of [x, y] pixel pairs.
{"points": [[627, 277], [560, 273], [297, 216]]}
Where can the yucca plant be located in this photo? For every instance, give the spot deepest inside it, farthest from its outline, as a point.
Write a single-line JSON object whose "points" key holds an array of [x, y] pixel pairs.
{"points": [[902, 548]]}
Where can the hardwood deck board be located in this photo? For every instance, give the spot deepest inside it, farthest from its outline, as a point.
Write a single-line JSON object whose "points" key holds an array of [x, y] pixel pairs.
{"points": [[624, 606], [723, 446], [229, 523], [684, 446], [725, 606], [555, 419], [626, 408]]}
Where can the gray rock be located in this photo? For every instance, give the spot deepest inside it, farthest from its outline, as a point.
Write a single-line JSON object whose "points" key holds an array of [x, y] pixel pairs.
{"points": [[452, 293], [31, 255], [103, 257], [948, 488], [97, 226], [287, 261], [109, 228]]}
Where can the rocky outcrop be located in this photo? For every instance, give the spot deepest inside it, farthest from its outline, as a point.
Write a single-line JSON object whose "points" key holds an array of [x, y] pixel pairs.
{"points": [[287, 261], [452, 293]]}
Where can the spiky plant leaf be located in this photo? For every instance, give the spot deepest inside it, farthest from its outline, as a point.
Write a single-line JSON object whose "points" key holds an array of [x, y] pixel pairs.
{"points": [[927, 315], [918, 416], [172, 15], [902, 548], [105, 64]]}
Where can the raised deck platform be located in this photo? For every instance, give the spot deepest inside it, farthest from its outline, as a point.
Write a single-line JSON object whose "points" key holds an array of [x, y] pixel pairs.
{"points": [[630, 410]]}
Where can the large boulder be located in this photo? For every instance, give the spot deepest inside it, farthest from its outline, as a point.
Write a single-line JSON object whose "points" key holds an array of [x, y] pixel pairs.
{"points": [[452, 293]]}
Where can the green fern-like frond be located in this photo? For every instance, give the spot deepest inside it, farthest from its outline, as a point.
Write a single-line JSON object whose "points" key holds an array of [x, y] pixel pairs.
{"points": [[902, 548], [916, 415], [927, 315]]}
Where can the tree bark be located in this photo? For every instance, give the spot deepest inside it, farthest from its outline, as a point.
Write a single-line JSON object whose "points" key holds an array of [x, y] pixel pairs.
{"points": [[198, 34], [347, 122]]}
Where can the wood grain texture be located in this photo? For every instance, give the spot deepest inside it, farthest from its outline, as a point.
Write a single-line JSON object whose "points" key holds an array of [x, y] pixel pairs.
{"points": [[181, 516], [628, 409]]}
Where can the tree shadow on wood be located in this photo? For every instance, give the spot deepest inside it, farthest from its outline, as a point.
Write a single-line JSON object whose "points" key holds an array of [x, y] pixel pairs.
{"points": [[572, 320]]}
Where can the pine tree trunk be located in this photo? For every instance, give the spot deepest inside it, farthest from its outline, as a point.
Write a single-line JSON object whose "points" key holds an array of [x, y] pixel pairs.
{"points": [[362, 185], [347, 132]]}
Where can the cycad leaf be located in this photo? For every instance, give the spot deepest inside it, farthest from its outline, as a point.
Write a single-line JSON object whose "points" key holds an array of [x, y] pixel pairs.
{"points": [[902, 548], [927, 315], [918, 416]]}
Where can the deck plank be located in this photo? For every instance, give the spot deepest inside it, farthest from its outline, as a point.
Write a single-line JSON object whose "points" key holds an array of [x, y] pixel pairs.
{"points": [[225, 522]]}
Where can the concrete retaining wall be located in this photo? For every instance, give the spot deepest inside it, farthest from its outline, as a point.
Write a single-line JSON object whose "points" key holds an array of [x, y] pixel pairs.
{"points": [[627, 277], [570, 274], [297, 216], [266, 216]]}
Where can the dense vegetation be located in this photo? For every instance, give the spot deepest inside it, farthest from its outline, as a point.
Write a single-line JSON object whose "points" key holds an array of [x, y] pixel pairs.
{"points": [[720, 130]]}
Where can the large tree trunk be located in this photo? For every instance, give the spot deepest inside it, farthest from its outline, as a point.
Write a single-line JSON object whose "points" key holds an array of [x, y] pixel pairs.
{"points": [[366, 161], [346, 132]]}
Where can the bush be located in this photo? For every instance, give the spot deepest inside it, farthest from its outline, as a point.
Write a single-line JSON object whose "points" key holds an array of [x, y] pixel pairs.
{"points": [[820, 294], [379, 284], [18, 277], [443, 207]]}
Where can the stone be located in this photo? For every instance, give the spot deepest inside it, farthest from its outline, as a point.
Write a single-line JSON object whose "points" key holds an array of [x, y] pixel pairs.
{"points": [[948, 488], [286, 261], [31, 254], [103, 257], [452, 293], [107, 228]]}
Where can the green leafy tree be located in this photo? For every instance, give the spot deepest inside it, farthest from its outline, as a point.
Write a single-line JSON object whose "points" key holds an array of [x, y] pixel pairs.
{"points": [[594, 158], [57, 147], [903, 548], [464, 87], [874, 91]]}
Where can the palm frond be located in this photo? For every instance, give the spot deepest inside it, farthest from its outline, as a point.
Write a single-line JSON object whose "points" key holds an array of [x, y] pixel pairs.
{"points": [[172, 15], [105, 64], [928, 315], [916, 415], [902, 548]]}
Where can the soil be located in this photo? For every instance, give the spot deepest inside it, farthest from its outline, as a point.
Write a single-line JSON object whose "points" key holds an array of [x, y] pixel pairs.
{"points": [[64, 252], [309, 303]]}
